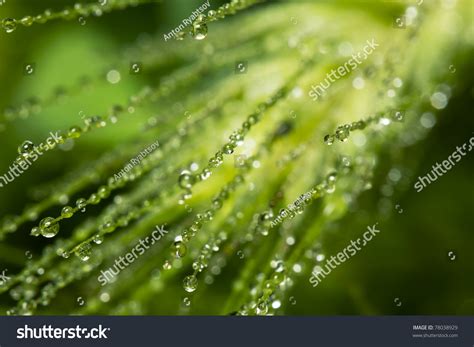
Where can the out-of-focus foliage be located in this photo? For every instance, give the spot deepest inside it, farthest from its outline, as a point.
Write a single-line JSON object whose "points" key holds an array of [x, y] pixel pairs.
{"points": [[192, 95]]}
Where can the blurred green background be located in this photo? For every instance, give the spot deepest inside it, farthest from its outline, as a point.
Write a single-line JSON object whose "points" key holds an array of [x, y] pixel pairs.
{"points": [[408, 260]]}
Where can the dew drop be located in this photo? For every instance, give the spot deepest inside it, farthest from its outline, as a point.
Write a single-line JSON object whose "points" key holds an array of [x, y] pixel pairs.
{"points": [[9, 24], [190, 283], [279, 266], [199, 31], [198, 266], [74, 132], [49, 227], [262, 309], [331, 178], [206, 173], [84, 251], [26, 21], [329, 140], [186, 180], [67, 212], [98, 239], [26, 148], [167, 265], [342, 133], [35, 231], [330, 188], [180, 249], [81, 204], [65, 254]]}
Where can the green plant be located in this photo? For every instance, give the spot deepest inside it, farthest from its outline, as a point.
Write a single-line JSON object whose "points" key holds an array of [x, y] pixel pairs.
{"points": [[239, 139]]}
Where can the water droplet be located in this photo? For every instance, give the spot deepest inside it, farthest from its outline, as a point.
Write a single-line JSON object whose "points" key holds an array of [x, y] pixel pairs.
{"points": [[179, 249], [342, 133], [65, 254], [279, 266], [67, 212], [49, 227], [190, 283], [265, 219], [84, 251], [199, 31], [9, 24], [186, 180], [329, 139], [98, 239], [331, 178], [206, 173], [330, 188], [35, 231], [26, 148], [228, 149], [26, 21], [167, 265], [81, 204], [198, 266], [74, 132], [262, 309]]}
